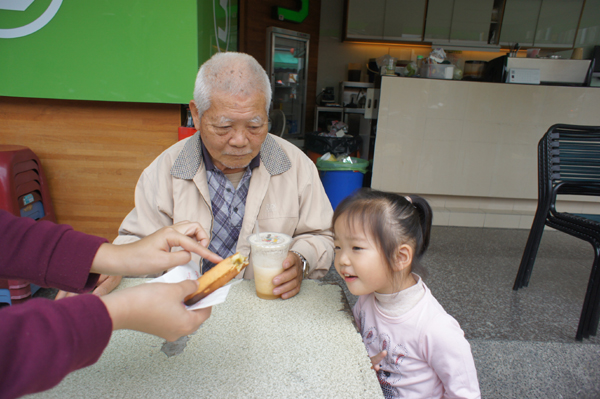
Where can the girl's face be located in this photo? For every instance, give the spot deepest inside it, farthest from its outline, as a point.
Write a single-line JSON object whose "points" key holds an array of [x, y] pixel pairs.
{"points": [[359, 261]]}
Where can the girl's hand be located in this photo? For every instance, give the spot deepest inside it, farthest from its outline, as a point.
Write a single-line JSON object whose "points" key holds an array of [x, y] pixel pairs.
{"points": [[375, 360]]}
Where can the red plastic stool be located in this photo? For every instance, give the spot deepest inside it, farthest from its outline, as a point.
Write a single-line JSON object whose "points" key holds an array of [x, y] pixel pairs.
{"points": [[21, 175], [24, 192]]}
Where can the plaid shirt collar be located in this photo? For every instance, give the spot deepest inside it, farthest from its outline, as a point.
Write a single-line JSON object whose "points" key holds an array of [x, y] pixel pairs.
{"points": [[193, 154]]}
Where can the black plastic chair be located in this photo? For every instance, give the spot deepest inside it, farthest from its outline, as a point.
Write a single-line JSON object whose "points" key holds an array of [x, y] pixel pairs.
{"points": [[568, 164]]}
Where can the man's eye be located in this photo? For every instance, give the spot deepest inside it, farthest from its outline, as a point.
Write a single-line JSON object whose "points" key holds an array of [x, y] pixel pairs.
{"points": [[222, 130]]}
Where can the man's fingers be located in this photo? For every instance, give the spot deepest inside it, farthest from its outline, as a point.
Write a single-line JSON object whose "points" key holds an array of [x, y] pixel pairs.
{"points": [[62, 294], [291, 293], [288, 289], [108, 284]]}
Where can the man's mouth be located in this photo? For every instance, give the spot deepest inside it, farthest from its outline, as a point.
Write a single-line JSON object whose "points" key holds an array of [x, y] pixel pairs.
{"points": [[235, 154]]}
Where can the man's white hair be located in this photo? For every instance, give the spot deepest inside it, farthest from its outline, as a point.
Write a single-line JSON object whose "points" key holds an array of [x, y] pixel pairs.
{"points": [[231, 73]]}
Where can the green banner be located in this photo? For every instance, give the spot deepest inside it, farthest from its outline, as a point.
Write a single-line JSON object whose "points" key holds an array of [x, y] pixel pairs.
{"points": [[110, 50]]}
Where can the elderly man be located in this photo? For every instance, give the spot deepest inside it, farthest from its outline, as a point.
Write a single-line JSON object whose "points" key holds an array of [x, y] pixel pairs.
{"points": [[233, 178]]}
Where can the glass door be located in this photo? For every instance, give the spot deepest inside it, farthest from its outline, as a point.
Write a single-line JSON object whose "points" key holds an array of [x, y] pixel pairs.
{"points": [[287, 65]]}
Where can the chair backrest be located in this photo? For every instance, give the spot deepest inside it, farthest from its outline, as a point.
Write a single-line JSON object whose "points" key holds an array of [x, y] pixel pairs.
{"points": [[570, 158], [277, 122]]}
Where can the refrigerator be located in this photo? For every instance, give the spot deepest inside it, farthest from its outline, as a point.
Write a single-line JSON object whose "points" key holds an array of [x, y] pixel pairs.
{"points": [[287, 66]]}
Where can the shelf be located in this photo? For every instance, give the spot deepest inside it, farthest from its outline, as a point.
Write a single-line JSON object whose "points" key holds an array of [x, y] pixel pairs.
{"points": [[354, 110], [359, 85], [321, 108]]}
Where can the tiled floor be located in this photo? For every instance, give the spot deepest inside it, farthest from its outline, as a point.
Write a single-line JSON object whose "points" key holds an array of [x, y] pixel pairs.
{"points": [[523, 341]]}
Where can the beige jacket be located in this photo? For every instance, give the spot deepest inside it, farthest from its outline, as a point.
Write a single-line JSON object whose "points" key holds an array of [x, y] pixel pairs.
{"points": [[285, 195]]}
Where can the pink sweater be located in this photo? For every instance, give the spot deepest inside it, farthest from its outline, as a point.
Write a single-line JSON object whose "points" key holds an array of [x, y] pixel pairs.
{"points": [[41, 341], [428, 355]]}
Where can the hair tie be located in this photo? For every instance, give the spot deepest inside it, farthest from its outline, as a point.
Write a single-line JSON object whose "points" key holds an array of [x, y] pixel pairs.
{"points": [[410, 200]]}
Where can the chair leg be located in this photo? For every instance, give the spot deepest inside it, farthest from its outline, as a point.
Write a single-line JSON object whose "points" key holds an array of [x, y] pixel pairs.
{"points": [[531, 249], [588, 322], [594, 305]]}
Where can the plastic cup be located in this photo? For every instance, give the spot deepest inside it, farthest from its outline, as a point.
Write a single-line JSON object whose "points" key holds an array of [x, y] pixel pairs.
{"points": [[267, 253]]}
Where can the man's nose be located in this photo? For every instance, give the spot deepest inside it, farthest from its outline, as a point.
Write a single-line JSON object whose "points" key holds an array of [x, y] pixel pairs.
{"points": [[239, 137]]}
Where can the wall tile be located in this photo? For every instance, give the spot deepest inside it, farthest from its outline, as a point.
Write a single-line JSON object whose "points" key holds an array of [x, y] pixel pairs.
{"points": [[455, 203], [495, 220], [440, 217], [466, 219], [526, 221], [496, 205]]}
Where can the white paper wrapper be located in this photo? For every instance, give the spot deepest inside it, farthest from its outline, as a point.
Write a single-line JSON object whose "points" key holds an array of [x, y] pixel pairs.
{"points": [[189, 271]]}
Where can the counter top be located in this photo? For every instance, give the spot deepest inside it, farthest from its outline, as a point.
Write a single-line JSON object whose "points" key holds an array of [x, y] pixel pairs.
{"points": [[304, 347], [471, 147]]}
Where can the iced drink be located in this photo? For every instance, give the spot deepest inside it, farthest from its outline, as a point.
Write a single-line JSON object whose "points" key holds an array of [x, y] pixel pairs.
{"points": [[267, 253]]}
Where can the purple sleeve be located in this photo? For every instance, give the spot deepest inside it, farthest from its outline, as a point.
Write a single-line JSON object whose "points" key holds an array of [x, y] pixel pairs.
{"points": [[41, 341], [47, 254]]}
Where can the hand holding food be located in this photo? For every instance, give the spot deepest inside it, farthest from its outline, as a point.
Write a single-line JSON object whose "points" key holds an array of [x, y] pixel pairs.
{"points": [[217, 277], [155, 309]]}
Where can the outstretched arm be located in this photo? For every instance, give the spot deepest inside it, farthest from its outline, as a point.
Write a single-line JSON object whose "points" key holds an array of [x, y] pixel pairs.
{"points": [[151, 254]]}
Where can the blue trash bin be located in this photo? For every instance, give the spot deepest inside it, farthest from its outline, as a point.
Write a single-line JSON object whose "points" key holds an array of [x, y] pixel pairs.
{"points": [[340, 184], [340, 179]]}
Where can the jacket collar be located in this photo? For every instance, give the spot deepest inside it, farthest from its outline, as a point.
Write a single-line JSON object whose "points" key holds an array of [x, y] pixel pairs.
{"points": [[189, 159]]}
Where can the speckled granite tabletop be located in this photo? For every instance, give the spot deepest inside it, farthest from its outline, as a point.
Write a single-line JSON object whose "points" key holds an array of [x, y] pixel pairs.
{"points": [[305, 347]]}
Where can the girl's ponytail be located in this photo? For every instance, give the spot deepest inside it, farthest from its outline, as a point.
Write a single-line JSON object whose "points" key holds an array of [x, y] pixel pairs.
{"points": [[425, 218]]}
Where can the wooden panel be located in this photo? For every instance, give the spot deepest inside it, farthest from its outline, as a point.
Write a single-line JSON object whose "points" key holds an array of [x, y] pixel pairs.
{"points": [[92, 152], [255, 17]]}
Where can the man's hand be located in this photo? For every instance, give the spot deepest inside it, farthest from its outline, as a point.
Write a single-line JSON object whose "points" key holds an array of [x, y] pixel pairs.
{"points": [[156, 308], [104, 285], [288, 283], [375, 360]]}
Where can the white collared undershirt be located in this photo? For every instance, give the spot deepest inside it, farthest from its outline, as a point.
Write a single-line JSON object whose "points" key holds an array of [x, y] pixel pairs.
{"points": [[398, 303]]}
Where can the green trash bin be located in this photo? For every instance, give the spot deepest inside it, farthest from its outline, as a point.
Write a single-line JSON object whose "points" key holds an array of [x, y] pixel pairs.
{"points": [[341, 178]]}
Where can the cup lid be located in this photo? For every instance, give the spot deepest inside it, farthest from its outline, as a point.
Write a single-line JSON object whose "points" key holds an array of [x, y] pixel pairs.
{"points": [[270, 239]]}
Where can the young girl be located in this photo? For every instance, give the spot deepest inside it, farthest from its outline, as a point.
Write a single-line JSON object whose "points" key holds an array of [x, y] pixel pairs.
{"points": [[417, 349]]}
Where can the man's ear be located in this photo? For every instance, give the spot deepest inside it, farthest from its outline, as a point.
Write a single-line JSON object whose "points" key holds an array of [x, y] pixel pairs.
{"points": [[194, 112], [404, 256]]}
